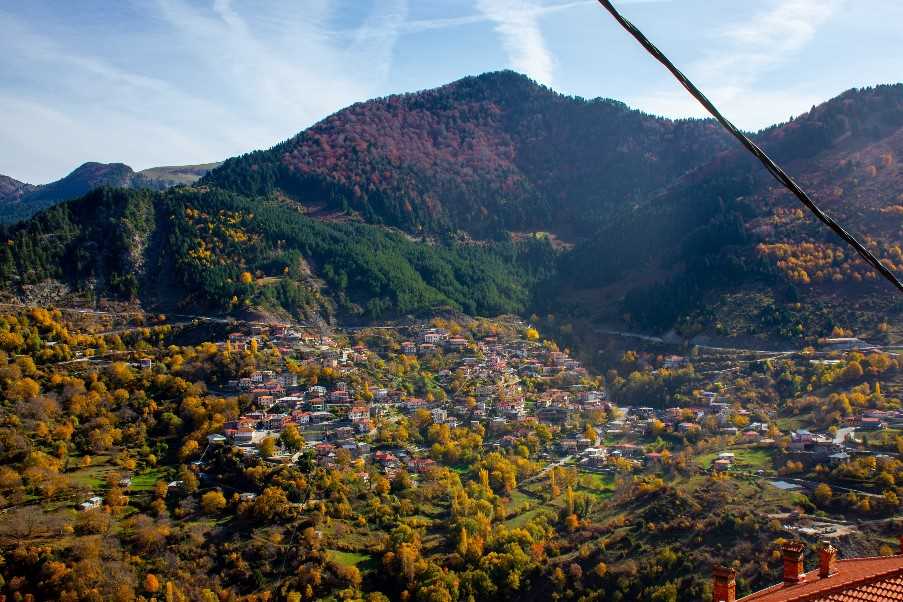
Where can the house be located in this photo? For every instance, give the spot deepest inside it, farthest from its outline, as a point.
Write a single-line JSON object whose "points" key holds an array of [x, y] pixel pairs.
{"points": [[344, 432], [246, 435], [146, 363], [456, 343], [316, 391], [216, 439], [421, 465], [687, 427], [413, 404], [409, 348], [838, 458], [358, 413], [290, 402], [288, 379], [432, 337], [92, 503], [721, 465], [834, 580], [674, 362], [439, 415], [553, 414], [321, 417], [871, 424]]}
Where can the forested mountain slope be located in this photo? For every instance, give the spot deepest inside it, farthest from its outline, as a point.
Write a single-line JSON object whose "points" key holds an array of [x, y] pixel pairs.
{"points": [[669, 222], [483, 154], [217, 251], [729, 226], [11, 189]]}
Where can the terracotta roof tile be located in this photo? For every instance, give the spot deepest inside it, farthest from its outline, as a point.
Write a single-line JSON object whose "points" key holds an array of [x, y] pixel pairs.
{"points": [[856, 580]]}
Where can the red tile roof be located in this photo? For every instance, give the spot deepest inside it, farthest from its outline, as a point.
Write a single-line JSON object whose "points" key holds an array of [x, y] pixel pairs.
{"points": [[856, 580]]}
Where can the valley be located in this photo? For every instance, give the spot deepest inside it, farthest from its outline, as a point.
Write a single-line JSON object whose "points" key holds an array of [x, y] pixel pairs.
{"points": [[479, 342]]}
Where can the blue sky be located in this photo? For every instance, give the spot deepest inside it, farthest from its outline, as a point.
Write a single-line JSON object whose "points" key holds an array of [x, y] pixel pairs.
{"points": [[167, 82]]}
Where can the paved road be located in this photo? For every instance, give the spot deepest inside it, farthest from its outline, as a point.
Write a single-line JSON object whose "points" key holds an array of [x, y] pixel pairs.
{"points": [[548, 467]]}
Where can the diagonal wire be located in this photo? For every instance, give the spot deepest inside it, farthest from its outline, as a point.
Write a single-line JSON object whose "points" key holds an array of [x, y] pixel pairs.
{"points": [[772, 167]]}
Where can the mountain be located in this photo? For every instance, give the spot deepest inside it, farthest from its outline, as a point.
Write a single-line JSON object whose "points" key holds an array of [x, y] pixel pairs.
{"points": [[496, 194], [214, 250], [483, 154], [177, 174], [19, 201], [728, 227], [12, 190]]}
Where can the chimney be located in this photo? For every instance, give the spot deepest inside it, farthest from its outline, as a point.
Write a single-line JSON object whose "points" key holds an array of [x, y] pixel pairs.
{"points": [[827, 560], [725, 580], [793, 561]]}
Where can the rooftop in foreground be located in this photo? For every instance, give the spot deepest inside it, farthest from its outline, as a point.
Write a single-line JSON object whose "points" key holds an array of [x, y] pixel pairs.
{"points": [[877, 579]]}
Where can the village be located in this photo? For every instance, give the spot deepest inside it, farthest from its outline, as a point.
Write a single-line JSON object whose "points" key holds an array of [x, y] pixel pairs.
{"points": [[484, 381]]}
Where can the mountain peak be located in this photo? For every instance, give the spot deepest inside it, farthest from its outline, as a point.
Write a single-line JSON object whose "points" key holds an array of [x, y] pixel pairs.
{"points": [[484, 154]]}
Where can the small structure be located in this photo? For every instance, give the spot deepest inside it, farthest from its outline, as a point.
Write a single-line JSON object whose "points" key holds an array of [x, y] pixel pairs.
{"points": [[877, 578], [92, 503]]}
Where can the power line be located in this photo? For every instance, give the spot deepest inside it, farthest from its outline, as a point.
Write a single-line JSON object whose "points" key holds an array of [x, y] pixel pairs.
{"points": [[772, 167]]}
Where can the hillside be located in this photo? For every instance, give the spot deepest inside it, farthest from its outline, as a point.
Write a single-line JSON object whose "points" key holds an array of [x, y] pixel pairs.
{"points": [[19, 201], [174, 175], [217, 251], [11, 190], [728, 227], [658, 223], [483, 154]]}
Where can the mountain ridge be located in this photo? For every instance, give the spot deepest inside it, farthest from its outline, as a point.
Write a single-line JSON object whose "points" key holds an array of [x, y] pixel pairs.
{"points": [[418, 161], [19, 200], [656, 221]]}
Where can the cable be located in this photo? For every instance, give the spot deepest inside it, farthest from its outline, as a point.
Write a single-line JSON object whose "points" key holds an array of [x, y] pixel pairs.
{"points": [[772, 167]]}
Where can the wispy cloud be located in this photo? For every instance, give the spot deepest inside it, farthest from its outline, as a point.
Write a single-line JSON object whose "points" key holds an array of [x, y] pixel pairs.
{"points": [[517, 23], [770, 38], [732, 73], [222, 78]]}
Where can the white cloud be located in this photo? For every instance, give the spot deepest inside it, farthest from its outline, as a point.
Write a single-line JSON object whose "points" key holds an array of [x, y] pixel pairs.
{"points": [[751, 110], [732, 73], [201, 83], [517, 23], [747, 50]]}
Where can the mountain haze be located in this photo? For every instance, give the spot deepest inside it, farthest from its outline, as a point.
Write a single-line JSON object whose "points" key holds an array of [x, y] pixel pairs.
{"points": [[18, 201]]}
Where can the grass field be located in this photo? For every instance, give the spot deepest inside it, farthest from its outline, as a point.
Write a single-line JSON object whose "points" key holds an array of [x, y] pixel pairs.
{"points": [[145, 481], [94, 476], [794, 423], [745, 458], [601, 485], [363, 562]]}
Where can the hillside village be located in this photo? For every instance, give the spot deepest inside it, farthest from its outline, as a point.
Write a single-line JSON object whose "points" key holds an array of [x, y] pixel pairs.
{"points": [[436, 440], [485, 380]]}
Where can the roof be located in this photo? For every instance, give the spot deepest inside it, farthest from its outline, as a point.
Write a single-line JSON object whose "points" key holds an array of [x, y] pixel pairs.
{"points": [[877, 579]]}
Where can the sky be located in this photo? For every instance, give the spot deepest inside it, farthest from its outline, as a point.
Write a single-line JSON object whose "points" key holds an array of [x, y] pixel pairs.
{"points": [[171, 82]]}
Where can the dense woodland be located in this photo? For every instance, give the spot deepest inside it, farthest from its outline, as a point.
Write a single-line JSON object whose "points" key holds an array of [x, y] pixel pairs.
{"points": [[495, 194], [218, 251], [484, 154]]}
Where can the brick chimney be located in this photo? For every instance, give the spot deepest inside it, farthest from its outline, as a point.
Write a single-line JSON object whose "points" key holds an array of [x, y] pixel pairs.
{"points": [[827, 560], [725, 581], [793, 561]]}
